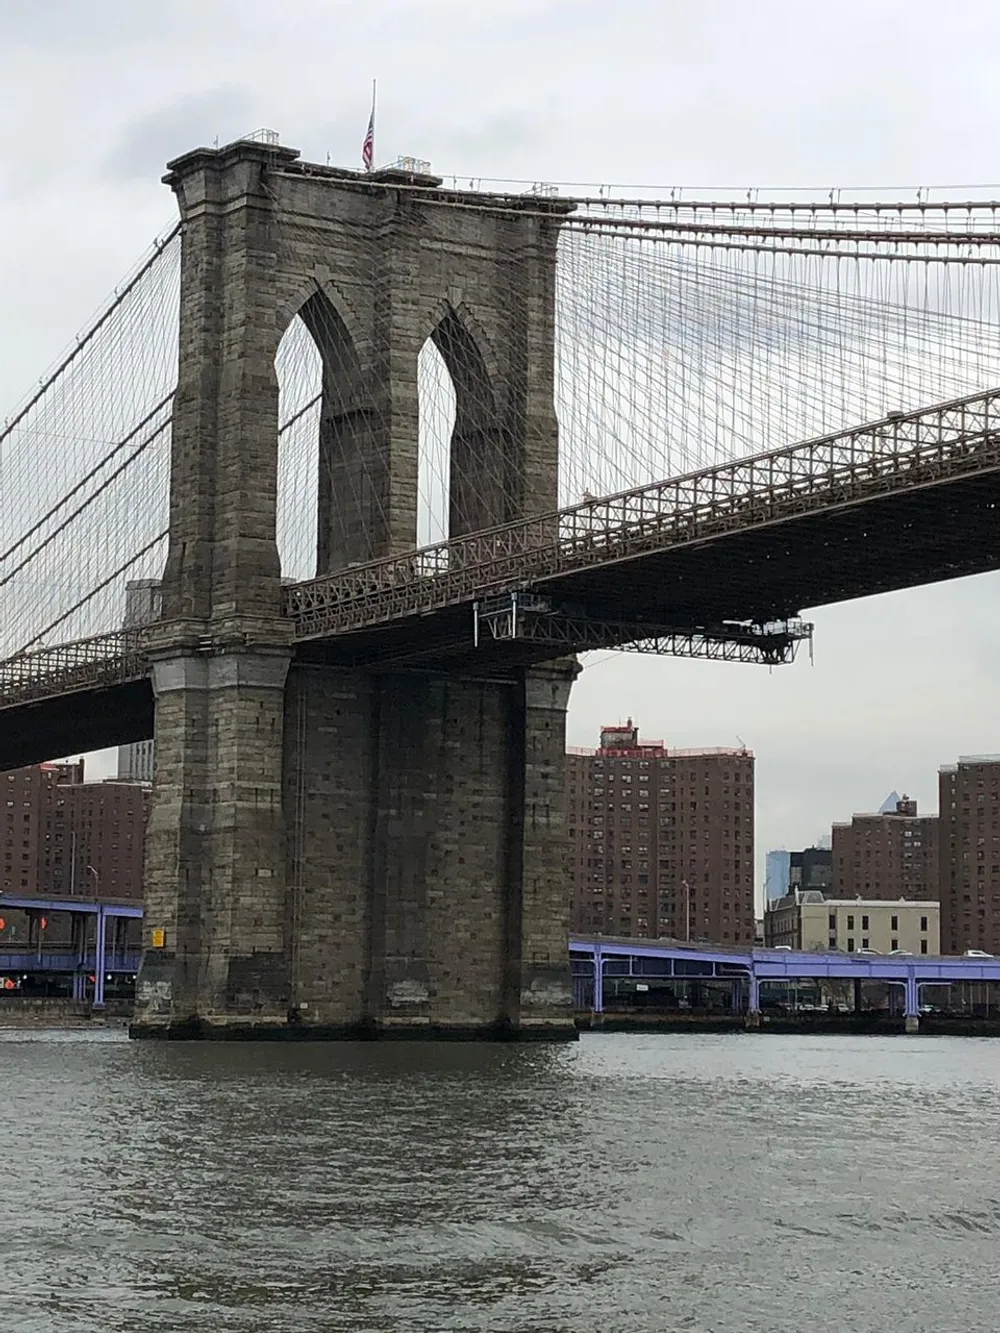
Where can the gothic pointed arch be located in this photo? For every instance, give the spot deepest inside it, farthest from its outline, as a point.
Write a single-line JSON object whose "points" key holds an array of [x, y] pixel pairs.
{"points": [[347, 469], [479, 489]]}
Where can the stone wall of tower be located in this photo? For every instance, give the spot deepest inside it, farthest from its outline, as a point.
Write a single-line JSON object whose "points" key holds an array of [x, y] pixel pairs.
{"points": [[136, 762], [426, 852], [339, 852]]}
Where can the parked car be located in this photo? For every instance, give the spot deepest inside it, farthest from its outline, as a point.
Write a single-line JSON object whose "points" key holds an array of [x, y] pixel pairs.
{"points": [[900, 953], [976, 953], [783, 948], [870, 951]]}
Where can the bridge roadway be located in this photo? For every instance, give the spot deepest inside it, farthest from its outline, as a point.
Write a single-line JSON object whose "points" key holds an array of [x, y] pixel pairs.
{"points": [[714, 563], [602, 958]]}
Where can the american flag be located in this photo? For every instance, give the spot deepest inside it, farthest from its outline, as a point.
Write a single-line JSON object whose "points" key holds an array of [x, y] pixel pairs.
{"points": [[368, 147]]}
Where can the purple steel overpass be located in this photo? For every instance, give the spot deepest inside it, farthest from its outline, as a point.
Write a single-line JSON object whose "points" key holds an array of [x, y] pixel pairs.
{"points": [[601, 958], [81, 960]]}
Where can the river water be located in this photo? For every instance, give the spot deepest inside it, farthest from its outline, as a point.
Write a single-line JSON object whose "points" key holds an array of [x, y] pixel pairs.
{"points": [[716, 1184]]}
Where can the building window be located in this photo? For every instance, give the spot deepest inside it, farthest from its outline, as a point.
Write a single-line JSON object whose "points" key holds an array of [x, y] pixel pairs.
{"points": [[833, 921], [864, 941], [850, 945], [894, 924], [923, 946], [923, 923], [850, 922], [833, 941], [894, 944], [864, 924]]}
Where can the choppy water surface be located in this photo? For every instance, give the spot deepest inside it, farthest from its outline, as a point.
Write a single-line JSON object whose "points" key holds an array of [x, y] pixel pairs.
{"points": [[658, 1183]]}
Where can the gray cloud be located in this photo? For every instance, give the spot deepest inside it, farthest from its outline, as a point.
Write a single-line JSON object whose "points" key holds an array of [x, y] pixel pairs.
{"points": [[149, 142]]}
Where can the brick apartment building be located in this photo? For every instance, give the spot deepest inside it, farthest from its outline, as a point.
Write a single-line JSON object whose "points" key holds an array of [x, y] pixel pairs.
{"points": [[662, 841], [888, 855], [63, 836], [969, 795]]}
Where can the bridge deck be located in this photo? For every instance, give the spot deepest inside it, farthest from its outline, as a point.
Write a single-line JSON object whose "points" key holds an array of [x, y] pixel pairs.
{"points": [[907, 500], [822, 494]]}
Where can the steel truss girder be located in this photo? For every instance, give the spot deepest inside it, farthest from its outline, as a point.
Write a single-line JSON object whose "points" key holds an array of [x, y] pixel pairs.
{"points": [[95, 663], [900, 453], [906, 451], [526, 617]]}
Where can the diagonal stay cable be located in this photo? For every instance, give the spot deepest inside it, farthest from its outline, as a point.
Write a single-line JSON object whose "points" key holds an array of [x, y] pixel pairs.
{"points": [[122, 569], [122, 444], [86, 338], [297, 416]]}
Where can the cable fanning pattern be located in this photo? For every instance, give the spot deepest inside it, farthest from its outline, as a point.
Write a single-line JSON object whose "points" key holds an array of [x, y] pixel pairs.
{"points": [[687, 334]]}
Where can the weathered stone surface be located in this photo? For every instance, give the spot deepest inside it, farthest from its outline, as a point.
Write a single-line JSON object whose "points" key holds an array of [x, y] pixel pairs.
{"points": [[337, 852]]}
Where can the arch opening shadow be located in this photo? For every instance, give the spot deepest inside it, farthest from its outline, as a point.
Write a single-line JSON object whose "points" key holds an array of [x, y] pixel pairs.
{"points": [[299, 369], [334, 509], [478, 475], [436, 411]]}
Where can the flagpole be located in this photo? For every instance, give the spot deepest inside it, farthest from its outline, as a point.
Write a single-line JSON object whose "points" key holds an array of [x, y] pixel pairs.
{"points": [[374, 88]]}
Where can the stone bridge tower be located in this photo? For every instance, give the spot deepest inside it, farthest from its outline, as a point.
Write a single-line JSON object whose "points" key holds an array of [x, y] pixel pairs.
{"points": [[342, 852]]}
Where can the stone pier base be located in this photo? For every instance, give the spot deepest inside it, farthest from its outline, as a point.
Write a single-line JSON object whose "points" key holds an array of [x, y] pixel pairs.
{"points": [[422, 867]]}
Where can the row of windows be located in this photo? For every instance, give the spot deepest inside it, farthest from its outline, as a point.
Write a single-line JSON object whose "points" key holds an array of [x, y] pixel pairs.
{"points": [[864, 944], [893, 921]]}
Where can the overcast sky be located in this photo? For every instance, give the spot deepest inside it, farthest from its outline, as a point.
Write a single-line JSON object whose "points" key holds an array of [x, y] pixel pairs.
{"points": [[719, 94]]}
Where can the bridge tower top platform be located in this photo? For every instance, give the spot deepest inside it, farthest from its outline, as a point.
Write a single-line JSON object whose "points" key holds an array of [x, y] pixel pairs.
{"points": [[375, 264]]}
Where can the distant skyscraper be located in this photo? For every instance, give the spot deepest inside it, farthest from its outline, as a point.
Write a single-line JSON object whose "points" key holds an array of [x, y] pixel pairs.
{"points": [[777, 871], [811, 870], [143, 601]]}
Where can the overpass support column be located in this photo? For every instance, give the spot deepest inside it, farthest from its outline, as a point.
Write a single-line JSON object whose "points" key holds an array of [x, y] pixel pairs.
{"points": [[100, 957], [598, 1001], [912, 1003], [753, 1000]]}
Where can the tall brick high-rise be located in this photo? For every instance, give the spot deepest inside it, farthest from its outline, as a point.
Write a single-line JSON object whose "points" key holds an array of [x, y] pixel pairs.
{"points": [[64, 837], [969, 796], [891, 854], [662, 841]]}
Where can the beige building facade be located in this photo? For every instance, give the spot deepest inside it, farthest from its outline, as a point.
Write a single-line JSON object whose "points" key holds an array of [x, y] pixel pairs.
{"points": [[853, 925]]}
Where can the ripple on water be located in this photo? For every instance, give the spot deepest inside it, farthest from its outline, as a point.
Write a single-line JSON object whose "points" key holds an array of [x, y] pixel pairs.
{"points": [[627, 1183]]}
